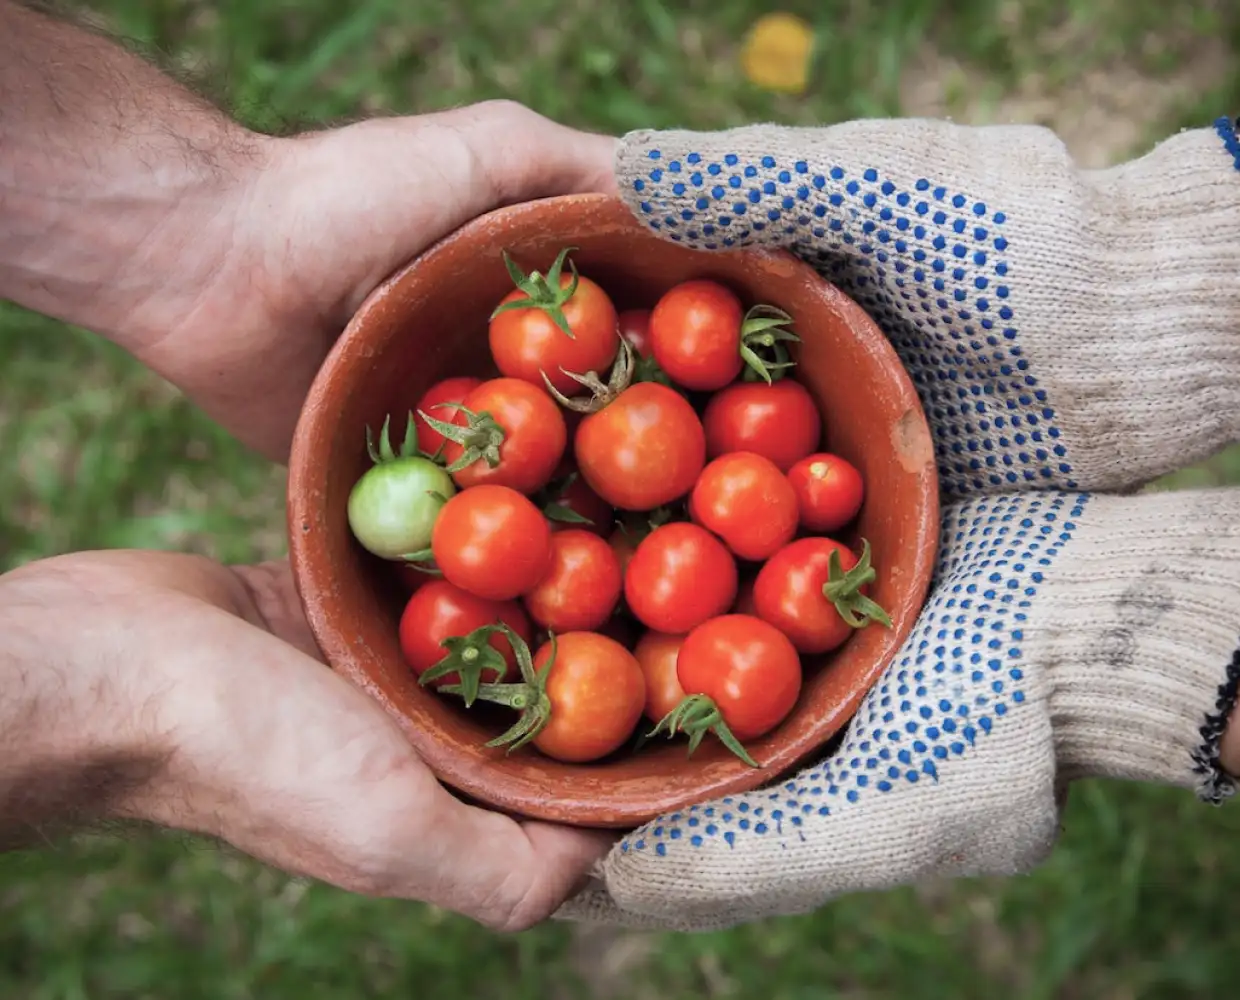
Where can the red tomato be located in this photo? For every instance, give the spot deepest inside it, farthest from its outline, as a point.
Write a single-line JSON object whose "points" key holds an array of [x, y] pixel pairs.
{"points": [[791, 592], [580, 591], [634, 327], [679, 576], [656, 652], [441, 610], [450, 390], [596, 691], [526, 342], [492, 541], [778, 421], [642, 450], [695, 334], [525, 432], [747, 667], [577, 499], [745, 500], [829, 491]]}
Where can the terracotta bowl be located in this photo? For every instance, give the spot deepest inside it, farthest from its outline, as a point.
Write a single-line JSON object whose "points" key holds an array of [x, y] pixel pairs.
{"points": [[429, 321]]}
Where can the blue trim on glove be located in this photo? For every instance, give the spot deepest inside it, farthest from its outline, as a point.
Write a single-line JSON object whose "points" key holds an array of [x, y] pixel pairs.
{"points": [[1226, 130]]}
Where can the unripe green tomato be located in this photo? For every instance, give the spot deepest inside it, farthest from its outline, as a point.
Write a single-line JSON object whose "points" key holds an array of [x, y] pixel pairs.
{"points": [[393, 507]]}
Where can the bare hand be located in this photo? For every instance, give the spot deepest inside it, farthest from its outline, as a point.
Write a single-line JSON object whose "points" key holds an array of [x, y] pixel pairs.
{"points": [[181, 692]]}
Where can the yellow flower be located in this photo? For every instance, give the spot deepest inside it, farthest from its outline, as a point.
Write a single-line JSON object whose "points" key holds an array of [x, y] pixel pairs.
{"points": [[777, 53]]}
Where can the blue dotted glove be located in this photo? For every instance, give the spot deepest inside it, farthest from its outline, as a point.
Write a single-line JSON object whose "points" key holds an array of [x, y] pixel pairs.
{"points": [[1069, 332]]}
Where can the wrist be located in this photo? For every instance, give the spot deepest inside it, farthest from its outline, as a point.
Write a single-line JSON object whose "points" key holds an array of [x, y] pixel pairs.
{"points": [[74, 747], [1140, 632], [139, 252], [118, 188]]}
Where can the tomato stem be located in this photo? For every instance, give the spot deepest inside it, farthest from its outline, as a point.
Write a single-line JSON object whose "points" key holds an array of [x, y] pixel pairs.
{"points": [[696, 715], [541, 292], [468, 656], [763, 328], [480, 436], [527, 696], [843, 589], [601, 395]]}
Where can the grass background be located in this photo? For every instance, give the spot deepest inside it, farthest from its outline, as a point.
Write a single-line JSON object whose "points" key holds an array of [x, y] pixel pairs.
{"points": [[97, 452]]}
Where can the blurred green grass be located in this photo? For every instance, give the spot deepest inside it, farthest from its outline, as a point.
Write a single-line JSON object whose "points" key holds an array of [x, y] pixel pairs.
{"points": [[97, 452]]}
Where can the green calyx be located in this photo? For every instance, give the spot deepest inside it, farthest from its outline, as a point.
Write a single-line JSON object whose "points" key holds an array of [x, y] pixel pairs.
{"points": [[635, 527], [553, 507], [383, 452], [648, 370], [543, 292], [480, 436], [764, 344], [527, 696], [423, 561], [468, 656], [696, 716], [601, 393], [843, 589]]}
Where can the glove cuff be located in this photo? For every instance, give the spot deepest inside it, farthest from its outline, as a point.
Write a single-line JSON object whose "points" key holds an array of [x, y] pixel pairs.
{"points": [[1139, 633]]}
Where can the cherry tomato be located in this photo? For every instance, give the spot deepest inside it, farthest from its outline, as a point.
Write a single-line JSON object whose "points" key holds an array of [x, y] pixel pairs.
{"points": [[679, 576], [656, 652], [747, 667], [634, 327], [573, 501], [695, 334], [582, 587], [745, 500], [440, 610], [393, 507], [526, 342], [596, 690], [794, 591], [778, 421], [829, 491], [643, 449], [492, 541], [450, 390], [515, 424]]}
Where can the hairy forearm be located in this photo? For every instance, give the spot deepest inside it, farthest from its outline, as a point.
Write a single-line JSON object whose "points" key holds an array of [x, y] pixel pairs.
{"points": [[115, 182], [73, 748]]}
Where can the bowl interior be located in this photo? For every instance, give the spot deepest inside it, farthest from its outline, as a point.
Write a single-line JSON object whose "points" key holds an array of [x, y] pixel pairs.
{"points": [[430, 321]]}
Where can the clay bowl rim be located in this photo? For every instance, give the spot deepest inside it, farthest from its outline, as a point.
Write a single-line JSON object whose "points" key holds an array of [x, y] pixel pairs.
{"points": [[440, 756]]}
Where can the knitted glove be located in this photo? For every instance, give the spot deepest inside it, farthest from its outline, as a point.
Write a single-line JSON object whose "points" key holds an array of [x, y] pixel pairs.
{"points": [[1066, 329]]}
